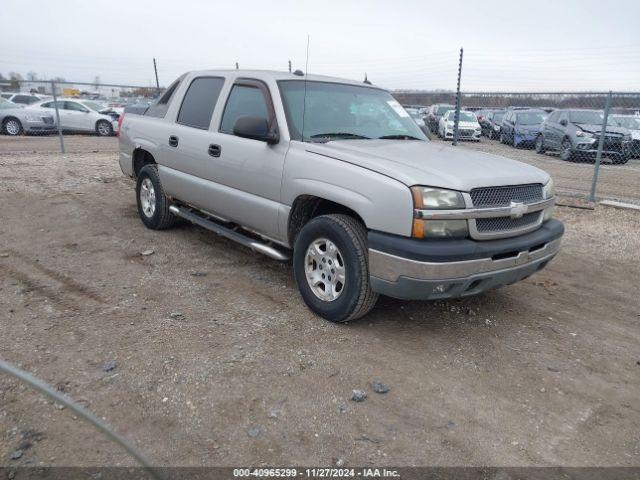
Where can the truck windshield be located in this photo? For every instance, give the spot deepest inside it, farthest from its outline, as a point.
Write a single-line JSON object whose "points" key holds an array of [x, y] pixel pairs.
{"points": [[336, 111]]}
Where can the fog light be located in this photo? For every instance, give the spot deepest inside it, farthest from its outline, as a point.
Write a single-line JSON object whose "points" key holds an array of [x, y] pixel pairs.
{"points": [[440, 288], [548, 213]]}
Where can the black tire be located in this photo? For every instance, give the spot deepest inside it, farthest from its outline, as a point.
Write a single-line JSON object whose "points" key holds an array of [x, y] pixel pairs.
{"points": [[161, 218], [539, 145], [503, 139], [104, 128], [12, 126], [350, 236], [621, 159], [566, 150]]}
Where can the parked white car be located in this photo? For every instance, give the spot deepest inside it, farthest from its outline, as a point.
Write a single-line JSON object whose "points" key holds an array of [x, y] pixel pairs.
{"points": [[468, 126], [24, 98], [82, 116]]}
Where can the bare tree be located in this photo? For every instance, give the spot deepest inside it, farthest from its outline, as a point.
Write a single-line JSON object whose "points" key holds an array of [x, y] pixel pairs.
{"points": [[15, 79]]}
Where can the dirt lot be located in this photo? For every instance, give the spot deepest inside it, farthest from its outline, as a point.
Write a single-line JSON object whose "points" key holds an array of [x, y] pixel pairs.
{"points": [[218, 362]]}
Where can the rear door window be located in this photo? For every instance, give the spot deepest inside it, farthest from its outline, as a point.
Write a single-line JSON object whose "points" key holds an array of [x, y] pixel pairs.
{"points": [[199, 101]]}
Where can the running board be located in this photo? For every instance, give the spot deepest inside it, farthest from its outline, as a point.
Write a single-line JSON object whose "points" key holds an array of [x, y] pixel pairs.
{"points": [[253, 244]]}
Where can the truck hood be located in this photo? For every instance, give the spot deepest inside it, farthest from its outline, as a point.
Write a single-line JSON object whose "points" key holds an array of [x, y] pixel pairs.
{"points": [[429, 163]]}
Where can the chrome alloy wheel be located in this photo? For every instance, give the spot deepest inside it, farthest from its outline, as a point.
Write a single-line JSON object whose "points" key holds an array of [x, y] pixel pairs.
{"points": [[103, 129], [147, 197], [325, 270], [13, 127]]}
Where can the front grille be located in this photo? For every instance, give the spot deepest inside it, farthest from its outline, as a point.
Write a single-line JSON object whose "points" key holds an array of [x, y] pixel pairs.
{"points": [[503, 196], [48, 120], [465, 133], [506, 224], [611, 142]]}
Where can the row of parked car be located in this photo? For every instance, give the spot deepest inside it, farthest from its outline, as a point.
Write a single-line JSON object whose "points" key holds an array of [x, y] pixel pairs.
{"points": [[26, 113], [573, 133]]}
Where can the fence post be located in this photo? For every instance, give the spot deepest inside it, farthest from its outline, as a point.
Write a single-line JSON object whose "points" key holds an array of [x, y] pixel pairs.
{"points": [[603, 131], [456, 118], [55, 104]]}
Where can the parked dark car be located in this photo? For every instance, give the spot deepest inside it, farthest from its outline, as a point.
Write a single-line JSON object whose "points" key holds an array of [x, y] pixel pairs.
{"points": [[491, 124], [576, 134], [521, 127], [434, 115]]}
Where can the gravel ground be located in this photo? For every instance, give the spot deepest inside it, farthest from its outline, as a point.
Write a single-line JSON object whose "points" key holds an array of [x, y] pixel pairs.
{"points": [[216, 361]]}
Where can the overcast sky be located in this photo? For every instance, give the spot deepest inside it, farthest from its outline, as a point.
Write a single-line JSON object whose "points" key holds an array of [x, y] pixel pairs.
{"points": [[539, 45]]}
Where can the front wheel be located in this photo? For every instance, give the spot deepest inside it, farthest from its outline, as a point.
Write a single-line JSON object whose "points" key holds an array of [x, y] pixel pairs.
{"points": [[331, 268], [539, 144], [104, 128], [566, 150], [13, 127]]}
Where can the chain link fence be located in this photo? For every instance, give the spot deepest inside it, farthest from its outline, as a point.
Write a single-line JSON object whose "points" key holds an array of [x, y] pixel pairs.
{"points": [[560, 132], [66, 116], [589, 142]]}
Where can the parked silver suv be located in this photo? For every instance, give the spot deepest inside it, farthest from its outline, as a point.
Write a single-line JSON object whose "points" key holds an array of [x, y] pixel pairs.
{"points": [[338, 176]]}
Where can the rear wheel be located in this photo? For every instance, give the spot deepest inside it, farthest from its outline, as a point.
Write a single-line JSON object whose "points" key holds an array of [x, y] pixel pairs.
{"points": [[12, 126], [566, 150], [104, 128], [539, 144], [153, 205], [331, 267]]}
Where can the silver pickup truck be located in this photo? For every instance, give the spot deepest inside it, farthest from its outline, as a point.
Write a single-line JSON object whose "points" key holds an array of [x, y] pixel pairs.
{"points": [[336, 175]]}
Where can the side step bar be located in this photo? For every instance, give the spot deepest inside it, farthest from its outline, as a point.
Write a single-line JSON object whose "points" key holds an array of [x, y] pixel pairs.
{"points": [[253, 244]]}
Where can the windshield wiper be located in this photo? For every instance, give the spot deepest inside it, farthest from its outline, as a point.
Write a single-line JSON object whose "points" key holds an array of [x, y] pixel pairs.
{"points": [[347, 135], [398, 137]]}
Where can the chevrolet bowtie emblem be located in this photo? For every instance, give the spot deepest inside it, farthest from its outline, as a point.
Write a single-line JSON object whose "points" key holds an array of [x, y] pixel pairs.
{"points": [[518, 209]]}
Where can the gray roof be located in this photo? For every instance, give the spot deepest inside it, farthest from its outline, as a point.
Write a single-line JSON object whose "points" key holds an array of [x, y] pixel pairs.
{"points": [[278, 75]]}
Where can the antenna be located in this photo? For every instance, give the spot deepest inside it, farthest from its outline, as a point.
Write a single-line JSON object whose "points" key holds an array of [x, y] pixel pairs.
{"points": [[306, 74]]}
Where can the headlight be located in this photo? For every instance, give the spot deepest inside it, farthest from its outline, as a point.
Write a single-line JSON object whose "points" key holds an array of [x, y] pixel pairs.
{"points": [[581, 133], [549, 190], [32, 118], [438, 199]]}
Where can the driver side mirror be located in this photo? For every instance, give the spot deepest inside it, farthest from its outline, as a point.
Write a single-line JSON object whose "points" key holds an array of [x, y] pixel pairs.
{"points": [[563, 122], [256, 128]]}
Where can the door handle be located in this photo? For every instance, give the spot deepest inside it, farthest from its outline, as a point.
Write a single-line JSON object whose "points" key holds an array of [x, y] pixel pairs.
{"points": [[173, 141], [215, 150]]}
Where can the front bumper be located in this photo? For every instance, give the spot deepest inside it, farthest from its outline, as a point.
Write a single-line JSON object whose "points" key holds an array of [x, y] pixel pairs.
{"points": [[416, 269], [519, 138], [464, 135]]}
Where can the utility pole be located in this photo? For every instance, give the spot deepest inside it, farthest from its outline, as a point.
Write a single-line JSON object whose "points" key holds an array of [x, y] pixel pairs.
{"points": [[456, 119], [237, 66], [289, 66], [155, 69], [603, 131], [55, 104]]}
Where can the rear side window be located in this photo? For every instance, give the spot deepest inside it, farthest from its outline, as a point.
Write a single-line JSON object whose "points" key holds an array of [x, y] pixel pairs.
{"points": [[244, 101], [159, 109], [24, 99], [199, 101]]}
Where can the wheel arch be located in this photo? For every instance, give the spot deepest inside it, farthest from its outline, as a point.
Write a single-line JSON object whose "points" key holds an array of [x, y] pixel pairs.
{"points": [[139, 158], [307, 207]]}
